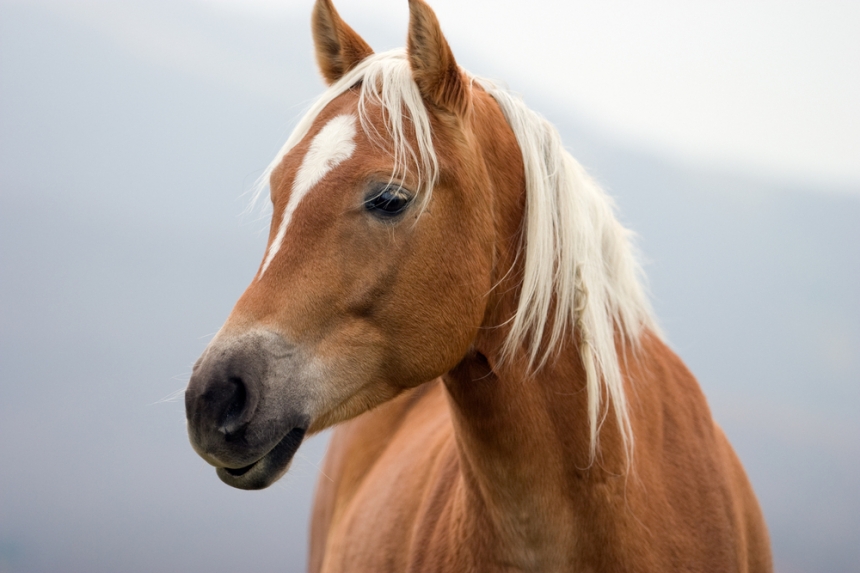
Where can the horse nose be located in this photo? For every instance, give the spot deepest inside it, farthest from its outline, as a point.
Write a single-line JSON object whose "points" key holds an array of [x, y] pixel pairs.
{"points": [[222, 396], [222, 403], [229, 404]]}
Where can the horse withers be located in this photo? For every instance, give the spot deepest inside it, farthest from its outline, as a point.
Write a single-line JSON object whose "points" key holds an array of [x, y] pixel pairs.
{"points": [[446, 285]]}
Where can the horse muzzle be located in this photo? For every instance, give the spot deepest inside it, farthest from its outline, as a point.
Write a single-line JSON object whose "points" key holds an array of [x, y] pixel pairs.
{"points": [[247, 407]]}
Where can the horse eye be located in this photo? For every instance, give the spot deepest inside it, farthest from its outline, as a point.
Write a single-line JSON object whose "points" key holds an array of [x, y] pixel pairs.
{"points": [[390, 202]]}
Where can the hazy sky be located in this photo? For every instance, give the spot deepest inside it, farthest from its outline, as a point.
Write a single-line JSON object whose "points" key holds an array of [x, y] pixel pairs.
{"points": [[768, 85], [765, 86]]}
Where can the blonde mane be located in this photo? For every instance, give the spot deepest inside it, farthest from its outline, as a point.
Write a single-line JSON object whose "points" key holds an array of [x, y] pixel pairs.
{"points": [[579, 257], [580, 272]]}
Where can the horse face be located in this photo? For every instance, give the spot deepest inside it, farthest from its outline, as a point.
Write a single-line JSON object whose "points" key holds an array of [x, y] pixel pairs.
{"points": [[364, 291]]}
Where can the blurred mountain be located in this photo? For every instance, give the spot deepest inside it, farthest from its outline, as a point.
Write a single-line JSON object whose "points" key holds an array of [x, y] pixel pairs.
{"points": [[128, 133]]}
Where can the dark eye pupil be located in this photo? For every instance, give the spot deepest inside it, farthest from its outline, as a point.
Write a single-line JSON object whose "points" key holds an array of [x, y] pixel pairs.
{"points": [[391, 201]]}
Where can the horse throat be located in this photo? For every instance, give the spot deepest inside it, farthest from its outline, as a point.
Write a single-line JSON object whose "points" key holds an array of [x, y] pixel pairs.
{"points": [[523, 443]]}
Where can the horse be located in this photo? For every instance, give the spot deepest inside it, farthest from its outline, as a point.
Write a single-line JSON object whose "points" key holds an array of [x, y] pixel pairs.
{"points": [[446, 287]]}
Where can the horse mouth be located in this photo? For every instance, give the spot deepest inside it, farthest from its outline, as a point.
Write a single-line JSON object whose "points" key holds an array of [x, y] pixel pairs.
{"points": [[266, 470]]}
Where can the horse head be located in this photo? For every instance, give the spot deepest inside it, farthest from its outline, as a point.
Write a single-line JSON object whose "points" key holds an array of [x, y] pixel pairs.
{"points": [[395, 216]]}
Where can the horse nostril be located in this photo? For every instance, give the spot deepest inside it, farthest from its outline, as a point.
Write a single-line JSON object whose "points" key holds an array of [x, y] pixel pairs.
{"points": [[236, 402]]}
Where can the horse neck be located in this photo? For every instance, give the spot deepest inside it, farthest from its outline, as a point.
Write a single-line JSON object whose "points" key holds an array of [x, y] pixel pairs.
{"points": [[524, 437], [523, 444]]}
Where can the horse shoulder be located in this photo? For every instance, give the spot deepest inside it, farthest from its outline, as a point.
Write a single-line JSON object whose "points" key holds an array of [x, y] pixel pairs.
{"points": [[754, 548], [692, 489]]}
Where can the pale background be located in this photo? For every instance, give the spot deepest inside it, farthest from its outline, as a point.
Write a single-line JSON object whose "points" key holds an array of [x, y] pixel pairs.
{"points": [[728, 131]]}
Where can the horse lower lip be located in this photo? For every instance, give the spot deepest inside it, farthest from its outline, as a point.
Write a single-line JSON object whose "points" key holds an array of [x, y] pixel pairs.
{"points": [[265, 470], [239, 471]]}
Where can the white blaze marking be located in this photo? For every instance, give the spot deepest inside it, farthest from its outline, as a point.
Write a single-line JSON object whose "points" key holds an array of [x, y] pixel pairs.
{"points": [[332, 146]]}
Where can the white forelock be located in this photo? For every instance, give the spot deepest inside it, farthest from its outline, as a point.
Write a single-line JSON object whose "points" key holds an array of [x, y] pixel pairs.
{"points": [[383, 80]]}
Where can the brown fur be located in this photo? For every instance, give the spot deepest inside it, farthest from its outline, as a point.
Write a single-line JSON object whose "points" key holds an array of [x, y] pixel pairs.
{"points": [[485, 473], [489, 467]]}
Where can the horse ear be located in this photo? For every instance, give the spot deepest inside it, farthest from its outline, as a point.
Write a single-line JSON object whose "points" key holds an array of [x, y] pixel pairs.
{"points": [[338, 47], [439, 78]]}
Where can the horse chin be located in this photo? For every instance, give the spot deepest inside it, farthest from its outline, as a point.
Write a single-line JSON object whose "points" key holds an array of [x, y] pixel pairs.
{"points": [[269, 468]]}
